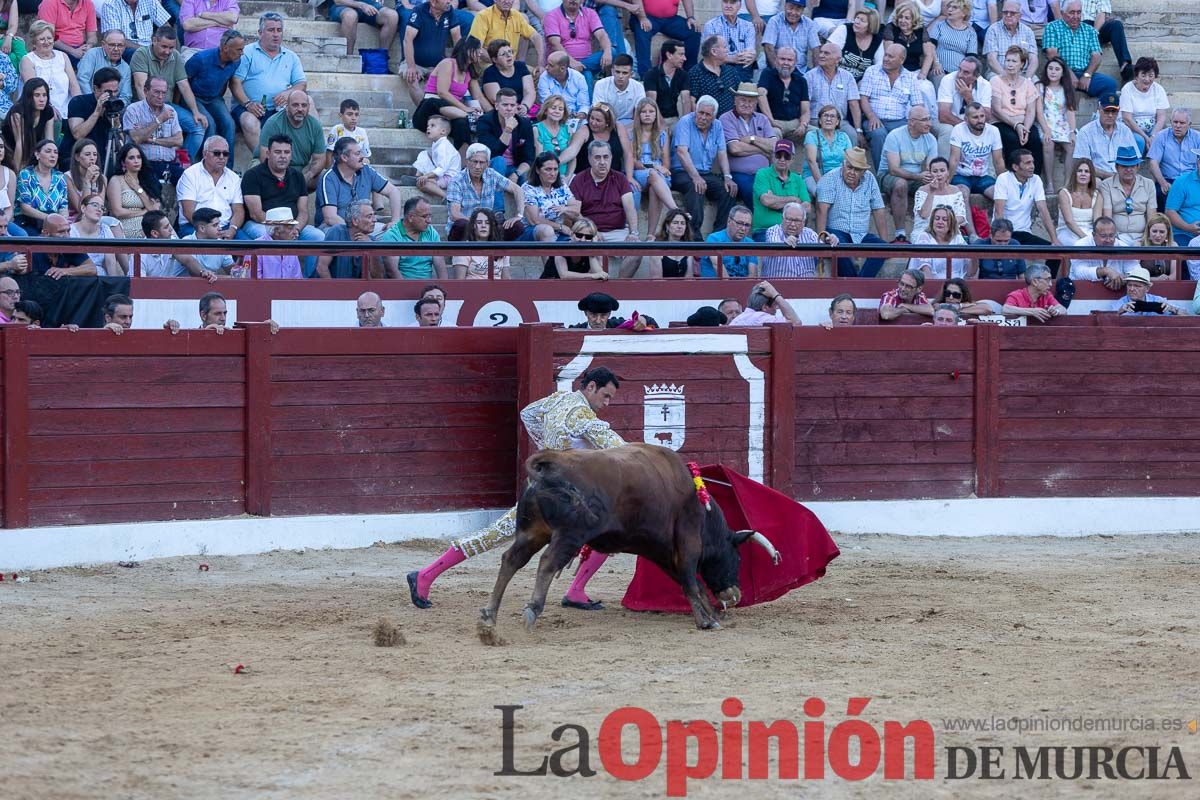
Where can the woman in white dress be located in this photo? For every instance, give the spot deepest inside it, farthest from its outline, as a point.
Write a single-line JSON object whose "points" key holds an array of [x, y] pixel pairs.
{"points": [[943, 231], [1079, 204], [51, 65], [1144, 103], [939, 193]]}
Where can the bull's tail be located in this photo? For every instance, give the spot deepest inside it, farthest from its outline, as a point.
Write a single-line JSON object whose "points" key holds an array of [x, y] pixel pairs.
{"points": [[561, 502]]}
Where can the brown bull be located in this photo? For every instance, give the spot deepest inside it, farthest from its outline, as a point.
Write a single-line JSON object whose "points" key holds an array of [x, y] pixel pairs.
{"points": [[636, 499]]}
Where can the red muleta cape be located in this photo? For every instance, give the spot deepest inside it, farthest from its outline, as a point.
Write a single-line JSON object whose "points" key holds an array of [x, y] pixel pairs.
{"points": [[802, 541]]}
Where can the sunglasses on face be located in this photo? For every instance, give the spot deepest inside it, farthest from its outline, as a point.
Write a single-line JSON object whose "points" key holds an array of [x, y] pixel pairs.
{"points": [[955, 295], [587, 236], [784, 156]]}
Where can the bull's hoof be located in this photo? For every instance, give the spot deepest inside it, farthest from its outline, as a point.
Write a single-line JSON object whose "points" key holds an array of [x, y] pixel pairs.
{"points": [[530, 619], [590, 605], [417, 600], [709, 625], [488, 635]]}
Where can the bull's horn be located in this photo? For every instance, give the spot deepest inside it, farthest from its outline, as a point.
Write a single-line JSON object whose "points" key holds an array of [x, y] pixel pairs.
{"points": [[765, 544]]}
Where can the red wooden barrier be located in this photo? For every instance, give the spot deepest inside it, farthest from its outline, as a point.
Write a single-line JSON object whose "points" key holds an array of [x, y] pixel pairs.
{"points": [[150, 426]]}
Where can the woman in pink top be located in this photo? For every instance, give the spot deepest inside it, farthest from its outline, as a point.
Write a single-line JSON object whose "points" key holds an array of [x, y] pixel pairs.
{"points": [[1016, 105], [448, 85]]}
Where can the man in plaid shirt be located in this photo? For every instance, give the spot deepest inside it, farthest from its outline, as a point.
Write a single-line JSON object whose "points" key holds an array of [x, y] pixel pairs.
{"points": [[1079, 46]]}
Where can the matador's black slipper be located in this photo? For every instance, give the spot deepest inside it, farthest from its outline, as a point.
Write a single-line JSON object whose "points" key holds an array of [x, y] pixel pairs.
{"points": [[590, 605], [417, 600]]}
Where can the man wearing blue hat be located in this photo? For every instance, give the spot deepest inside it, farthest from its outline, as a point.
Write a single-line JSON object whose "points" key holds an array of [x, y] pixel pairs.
{"points": [[1100, 139], [1128, 198], [1183, 205]]}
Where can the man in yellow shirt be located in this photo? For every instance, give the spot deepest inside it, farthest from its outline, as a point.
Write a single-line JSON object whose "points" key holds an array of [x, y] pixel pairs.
{"points": [[501, 21]]}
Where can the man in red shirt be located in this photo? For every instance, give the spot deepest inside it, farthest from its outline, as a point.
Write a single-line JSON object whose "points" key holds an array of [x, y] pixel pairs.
{"points": [[1036, 299], [906, 298], [74, 24], [606, 198]]}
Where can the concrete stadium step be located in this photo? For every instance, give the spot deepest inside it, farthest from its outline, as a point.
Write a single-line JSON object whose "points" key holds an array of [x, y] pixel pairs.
{"points": [[369, 117], [332, 98], [291, 11], [353, 84]]}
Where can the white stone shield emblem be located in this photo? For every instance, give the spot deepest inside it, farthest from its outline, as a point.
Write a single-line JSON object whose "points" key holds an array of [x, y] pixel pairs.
{"points": [[664, 419]]}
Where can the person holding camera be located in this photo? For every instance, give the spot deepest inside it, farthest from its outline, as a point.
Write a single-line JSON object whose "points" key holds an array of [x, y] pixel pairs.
{"points": [[1138, 301], [93, 116]]}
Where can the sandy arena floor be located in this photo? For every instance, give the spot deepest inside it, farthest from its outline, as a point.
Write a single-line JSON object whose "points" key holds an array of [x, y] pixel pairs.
{"points": [[118, 683]]}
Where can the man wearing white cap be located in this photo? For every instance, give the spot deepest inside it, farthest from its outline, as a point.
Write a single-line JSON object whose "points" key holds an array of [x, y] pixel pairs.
{"points": [[281, 227], [1138, 301]]}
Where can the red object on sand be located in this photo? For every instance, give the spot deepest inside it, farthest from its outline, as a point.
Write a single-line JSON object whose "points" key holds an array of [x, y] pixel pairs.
{"points": [[204, 567], [240, 669], [802, 541]]}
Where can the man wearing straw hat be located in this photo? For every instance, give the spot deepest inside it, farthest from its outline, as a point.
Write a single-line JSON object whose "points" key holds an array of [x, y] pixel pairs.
{"points": [[1138, 301], [848, 199], [749, 139]]}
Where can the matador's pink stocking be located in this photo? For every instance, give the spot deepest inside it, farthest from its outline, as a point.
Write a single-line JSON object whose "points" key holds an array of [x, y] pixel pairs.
{"points": [[576, 596], [419, 582]]}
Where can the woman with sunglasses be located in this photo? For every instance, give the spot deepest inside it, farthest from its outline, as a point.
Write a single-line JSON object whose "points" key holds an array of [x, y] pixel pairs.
{"points": [[1016, 106], [676, 226], [585, 267], [601, 127], [955, 292], [91, 225]]}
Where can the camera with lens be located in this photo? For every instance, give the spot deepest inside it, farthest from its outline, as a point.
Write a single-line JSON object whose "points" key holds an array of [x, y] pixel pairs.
{"points": [[113, 107]]}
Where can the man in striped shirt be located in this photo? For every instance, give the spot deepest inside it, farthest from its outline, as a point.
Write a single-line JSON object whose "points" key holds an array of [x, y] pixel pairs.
{"points": [[792, 231]]}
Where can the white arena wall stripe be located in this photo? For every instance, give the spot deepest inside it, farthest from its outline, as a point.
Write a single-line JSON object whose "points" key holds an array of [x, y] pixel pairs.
{"points": [[78, 545], [151, 314]]}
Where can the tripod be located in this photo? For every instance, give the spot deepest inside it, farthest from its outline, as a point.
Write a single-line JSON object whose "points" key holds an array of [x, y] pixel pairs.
{"points": [[116, 140]]}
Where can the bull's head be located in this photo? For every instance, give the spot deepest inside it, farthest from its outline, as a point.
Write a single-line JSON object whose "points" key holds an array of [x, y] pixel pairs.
{"points": [[721, 562]]}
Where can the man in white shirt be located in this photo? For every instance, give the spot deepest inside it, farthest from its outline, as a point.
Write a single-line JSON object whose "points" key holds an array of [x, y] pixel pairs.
{"points": [[211, 184], [957, 91], [1110, 271], [1016, 194], [620, 90], [976, 153]]}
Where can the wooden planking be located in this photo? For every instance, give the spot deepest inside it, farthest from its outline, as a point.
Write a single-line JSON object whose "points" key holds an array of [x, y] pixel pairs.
{"points": [[881, 490], [452, 463], [895, 384], [138, 343], [383, 416], [912, 342], [883, 408], [183, 491], [912, 453], [417, 390], [354, 367], [148, 446], [1107, 488], [400, 441], [136, 369], [896, 430], [876, 362], [103, 472], [1104, 429], [699, 416], [1098, 385], [121, 395], [386, 504], [1122, 362], [141, 420], [1148, 339], [891, 473], [395, 341], [135, 512], [401, 486], [1084, 406], [1099, 470], [1065, 450]]}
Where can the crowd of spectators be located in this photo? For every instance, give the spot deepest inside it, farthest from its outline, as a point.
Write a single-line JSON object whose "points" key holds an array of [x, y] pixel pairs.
{"points": [[939, 123]]}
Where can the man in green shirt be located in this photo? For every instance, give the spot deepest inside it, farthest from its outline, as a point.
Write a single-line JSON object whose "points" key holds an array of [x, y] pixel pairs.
{"points": [[774, 187], [306, 133], [415, 226]]}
